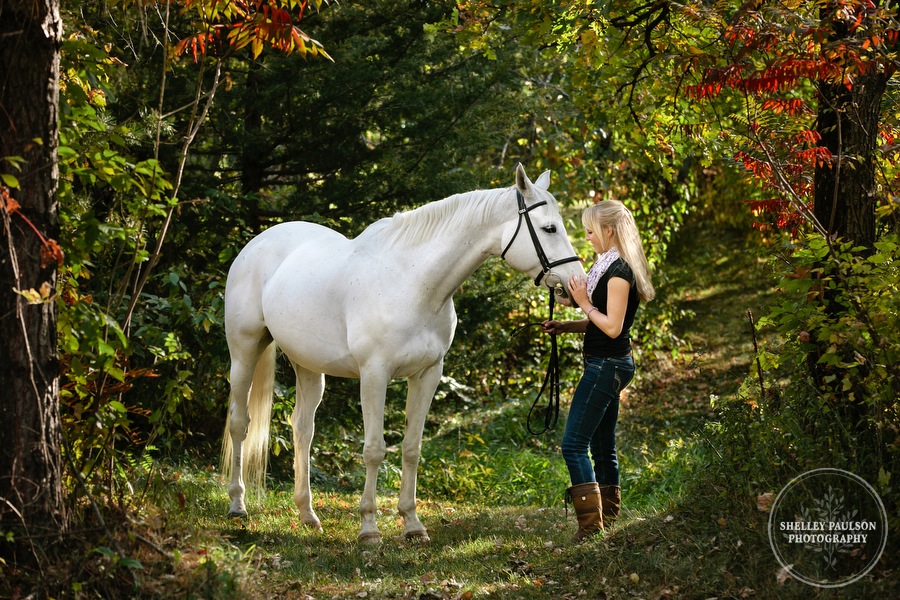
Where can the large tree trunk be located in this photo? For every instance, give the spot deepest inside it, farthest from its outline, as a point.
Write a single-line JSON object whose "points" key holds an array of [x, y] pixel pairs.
{"points": [[845, 191], [845, 199], [848, 117], [31, 496]]}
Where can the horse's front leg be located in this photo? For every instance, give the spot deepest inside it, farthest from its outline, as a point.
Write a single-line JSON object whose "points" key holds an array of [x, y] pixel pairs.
{"points": [[418, 401], [373, 388], [310, 387]]}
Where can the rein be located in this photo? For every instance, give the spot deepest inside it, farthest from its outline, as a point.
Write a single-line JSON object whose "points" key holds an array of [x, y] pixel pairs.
{"points": [[551, 412], [551, 378]]}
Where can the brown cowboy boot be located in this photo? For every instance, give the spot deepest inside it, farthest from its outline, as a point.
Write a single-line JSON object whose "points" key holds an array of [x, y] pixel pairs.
{"points": [[611, 500], [586, 499]]}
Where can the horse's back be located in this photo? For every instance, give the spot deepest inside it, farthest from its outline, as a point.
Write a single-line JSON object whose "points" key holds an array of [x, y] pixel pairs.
{"points": [[258, 262]]}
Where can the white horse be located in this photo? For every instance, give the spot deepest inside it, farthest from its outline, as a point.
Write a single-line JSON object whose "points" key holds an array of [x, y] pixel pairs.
{"points": [[376, 307]]}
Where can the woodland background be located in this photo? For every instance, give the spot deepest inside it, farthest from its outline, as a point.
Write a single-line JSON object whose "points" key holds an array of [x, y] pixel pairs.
{"points": [[187, 127]]}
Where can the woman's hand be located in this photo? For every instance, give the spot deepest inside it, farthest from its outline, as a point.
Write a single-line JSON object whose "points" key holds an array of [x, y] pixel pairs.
{"points": [[552, 326], [578, 290]]}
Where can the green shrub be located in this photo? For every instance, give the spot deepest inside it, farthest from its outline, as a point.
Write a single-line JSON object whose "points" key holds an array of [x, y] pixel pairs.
{"points": [[826, 390]]}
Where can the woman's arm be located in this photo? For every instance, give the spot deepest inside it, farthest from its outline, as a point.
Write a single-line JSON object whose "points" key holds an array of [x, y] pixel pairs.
{"points": [[564, 326], [613, 321]]}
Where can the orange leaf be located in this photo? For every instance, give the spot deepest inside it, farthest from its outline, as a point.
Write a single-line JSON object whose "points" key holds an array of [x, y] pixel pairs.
{"points": [[181, 46], [12, 207], [50, 253]]}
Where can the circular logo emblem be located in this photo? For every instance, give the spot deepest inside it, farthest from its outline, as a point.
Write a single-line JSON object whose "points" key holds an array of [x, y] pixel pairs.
{"points": [[828, 528]]}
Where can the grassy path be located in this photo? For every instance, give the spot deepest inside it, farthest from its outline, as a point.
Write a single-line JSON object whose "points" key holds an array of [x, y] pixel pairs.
{"points": [[715, 278], [716, 281]]}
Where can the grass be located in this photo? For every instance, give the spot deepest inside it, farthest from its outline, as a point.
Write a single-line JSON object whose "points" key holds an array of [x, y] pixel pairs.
{"points": [[708, 546], [491, 497]]}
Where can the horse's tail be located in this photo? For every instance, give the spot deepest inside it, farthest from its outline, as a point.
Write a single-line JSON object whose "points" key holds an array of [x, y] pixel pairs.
{"points": [[256, 444]]}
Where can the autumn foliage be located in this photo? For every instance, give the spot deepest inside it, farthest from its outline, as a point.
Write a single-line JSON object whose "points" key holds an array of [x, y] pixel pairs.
{"points": [[777, 60], [51, 253], [224, 27], [254, 23]]}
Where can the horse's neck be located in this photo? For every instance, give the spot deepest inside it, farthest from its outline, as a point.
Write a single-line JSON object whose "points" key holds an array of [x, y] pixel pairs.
{"points": [[452, 253], [448, 264]]}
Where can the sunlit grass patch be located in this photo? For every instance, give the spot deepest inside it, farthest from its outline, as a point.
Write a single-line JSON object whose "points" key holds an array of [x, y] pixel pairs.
{"points": [[482, 549]]}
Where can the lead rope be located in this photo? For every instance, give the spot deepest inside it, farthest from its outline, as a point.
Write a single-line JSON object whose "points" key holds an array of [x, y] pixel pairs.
{"points": [[551, 411]]}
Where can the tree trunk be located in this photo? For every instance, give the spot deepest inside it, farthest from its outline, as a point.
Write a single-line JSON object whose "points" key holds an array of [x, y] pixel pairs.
{"points": [[845, 201], [845, 191], [253, 161], [848, 117], [31, 495]]}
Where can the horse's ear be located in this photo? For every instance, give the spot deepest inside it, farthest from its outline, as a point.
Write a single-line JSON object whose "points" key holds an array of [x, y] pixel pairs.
{"points": [[543, 182], [522, 181]]}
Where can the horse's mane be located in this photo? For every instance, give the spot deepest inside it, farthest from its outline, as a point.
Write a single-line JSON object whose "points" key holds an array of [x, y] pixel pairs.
{"points": [[419, 225]]}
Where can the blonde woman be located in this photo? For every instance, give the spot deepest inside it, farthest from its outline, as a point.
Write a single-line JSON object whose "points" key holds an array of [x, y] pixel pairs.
{"points": [[609, 298]]}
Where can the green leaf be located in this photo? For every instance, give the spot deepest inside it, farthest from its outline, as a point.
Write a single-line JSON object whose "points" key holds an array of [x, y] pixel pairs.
{"points": [[884, 478], [9, 181], [131, 563]]}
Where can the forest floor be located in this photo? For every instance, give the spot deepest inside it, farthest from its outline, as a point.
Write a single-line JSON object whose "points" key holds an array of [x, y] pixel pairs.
{"points": [[682, 533]]}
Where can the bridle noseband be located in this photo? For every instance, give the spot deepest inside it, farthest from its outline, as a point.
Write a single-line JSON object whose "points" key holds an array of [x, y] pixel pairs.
{"points": [[546, 265]]}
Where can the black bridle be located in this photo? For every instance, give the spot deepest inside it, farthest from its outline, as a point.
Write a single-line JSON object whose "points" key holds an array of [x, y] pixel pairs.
{"points": [[546, 265], [551, 412]]}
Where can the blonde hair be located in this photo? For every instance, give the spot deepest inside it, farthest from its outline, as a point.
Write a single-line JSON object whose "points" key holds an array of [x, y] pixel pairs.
{"points": [[612, 213]]}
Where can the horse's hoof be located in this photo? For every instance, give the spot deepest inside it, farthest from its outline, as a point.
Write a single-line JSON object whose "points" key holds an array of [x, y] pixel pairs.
{"points": [[234, 514], [369, 538], [416, 536], [313, 525]]}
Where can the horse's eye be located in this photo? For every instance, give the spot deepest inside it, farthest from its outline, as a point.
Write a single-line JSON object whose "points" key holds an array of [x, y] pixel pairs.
{"points": [[549, 228]]}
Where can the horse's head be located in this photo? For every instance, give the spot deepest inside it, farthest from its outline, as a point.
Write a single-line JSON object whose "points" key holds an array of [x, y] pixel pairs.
{"points": [[535, 240]]}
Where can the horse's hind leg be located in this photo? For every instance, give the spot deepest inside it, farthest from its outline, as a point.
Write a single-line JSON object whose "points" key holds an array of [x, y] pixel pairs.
{"points": [[310, 387], [244, 358], [418, 401], [238, 423]]}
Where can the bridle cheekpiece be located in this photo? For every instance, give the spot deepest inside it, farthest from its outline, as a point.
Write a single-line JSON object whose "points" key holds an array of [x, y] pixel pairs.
{"points": [[546, 265]]}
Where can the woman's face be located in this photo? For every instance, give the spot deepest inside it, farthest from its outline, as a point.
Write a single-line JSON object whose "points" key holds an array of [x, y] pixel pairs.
{"points": [[599, 238]]}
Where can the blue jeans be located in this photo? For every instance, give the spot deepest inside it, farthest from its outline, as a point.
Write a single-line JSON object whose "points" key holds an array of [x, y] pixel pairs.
{"points": [[591, 424]]}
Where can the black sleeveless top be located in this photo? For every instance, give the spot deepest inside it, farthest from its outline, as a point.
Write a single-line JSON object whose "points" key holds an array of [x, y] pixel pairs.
{"points": [[597, 343]]}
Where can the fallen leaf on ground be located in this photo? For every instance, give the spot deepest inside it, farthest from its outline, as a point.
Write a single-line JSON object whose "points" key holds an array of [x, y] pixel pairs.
{"points": [[764, 502], [783, 574]]}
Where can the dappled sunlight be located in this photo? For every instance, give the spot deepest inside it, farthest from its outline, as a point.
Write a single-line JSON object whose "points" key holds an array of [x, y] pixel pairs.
{"points": [[490, 496]]}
